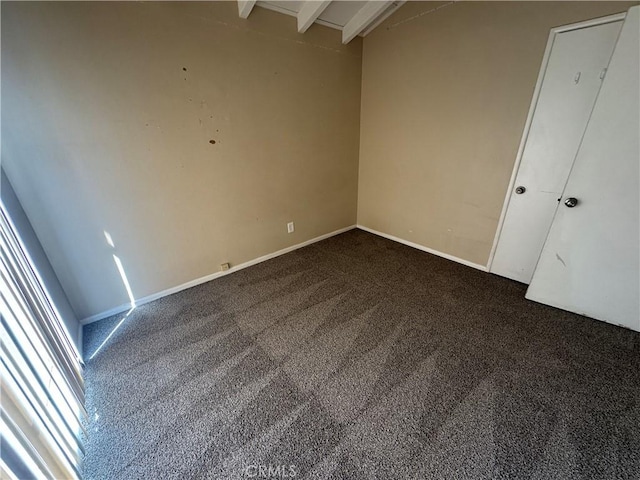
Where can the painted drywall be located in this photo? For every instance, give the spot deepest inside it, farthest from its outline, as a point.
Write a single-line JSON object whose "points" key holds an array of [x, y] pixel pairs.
{"points": [[188, 134], [445, 94], [36, 252]]}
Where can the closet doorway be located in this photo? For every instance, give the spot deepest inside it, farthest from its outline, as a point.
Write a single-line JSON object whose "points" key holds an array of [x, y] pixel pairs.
{"points": [[573, 69]]}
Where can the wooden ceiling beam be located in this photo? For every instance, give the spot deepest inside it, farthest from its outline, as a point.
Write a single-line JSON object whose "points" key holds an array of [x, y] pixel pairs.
{"points": [[245, 7], [310, 11], [363, 18]]}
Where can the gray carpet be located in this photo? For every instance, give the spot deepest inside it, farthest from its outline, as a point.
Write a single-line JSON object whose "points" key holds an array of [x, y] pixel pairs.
{"points": [[358, 357]]}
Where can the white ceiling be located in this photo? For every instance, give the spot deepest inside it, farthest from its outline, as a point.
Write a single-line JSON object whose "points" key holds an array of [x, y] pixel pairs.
{"points": [[352, 17]]}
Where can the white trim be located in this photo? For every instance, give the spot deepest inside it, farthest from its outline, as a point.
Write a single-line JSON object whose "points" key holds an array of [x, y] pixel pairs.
{"points": [[154, 296], [424, 249], [590, 23], [534, 101]]}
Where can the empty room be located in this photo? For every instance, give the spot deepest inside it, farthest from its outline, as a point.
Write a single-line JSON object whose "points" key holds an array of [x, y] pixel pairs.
{"points": [[320, 240]]}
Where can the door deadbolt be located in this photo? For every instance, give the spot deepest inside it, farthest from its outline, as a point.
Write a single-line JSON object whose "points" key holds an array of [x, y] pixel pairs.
{"points": [[520, 190], [571, 202]]}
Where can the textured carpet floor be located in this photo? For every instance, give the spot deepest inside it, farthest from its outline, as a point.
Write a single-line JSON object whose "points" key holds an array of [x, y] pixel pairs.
{"points": [[358, 357]]}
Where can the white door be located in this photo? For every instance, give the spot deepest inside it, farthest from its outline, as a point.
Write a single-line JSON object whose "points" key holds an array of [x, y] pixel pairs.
{"points": [[590, 263], [570, 85]]}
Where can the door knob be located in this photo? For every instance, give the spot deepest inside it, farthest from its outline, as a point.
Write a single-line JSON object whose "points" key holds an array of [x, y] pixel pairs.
{"points": [[571, 202], [520, 190]]}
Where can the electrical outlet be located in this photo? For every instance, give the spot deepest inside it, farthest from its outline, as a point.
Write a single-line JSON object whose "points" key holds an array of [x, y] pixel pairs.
{"points": [[290, 227], [224, 267]]}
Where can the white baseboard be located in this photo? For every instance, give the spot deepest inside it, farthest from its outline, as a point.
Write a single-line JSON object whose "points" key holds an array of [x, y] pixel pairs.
{"points": [[425, 249], [141, 301]]}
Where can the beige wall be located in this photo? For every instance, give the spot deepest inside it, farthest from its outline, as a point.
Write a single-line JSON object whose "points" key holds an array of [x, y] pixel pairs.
{"points": [[445, 96], [103, 130]]}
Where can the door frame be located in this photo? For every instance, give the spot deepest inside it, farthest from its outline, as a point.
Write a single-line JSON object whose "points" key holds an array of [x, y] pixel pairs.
{"points": [[532, 108]]}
